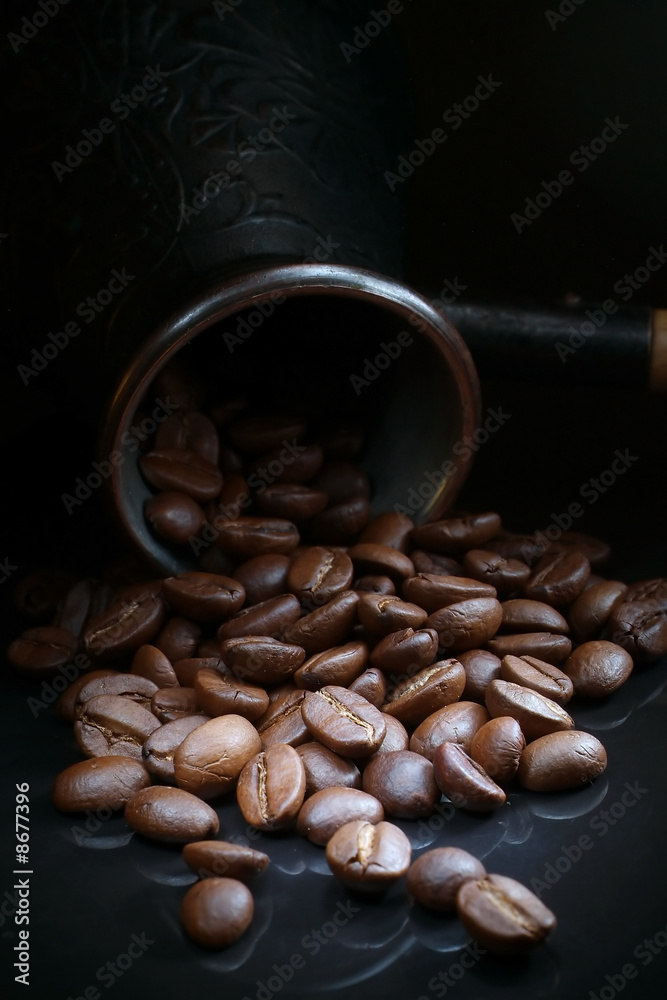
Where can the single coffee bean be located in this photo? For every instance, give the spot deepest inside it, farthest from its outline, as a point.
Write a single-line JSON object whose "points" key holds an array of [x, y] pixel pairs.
{"points": [[503, 915], [174, 516], [433, 562], [158, 750], [558, 579], [283, 722], [210, 858], [326, 769], [130, 621], [182, 470], [481, 667], [403, 782], [536, 714], [249, 536], [371, 685], [217, 912], [406, 651], [648, 590], [506, 575], [178, 639], [132, 686], [263, 577], [209, 760], [65, 706], [521, 615], [270, 617], [205, 597], [539, 676], [590, 612], [193, 431], [97, 783], [151, 663], [436, 876], [113, 725], [271, 788], [559, 761], [343, 721], [292, 501], [342, 481], [339, 665], [598, 667], [216, 694], [341, 522], [374, 585], [285, 465], [381, 615], [465, 783], [373, 557], [391, 529], [466, 625], [417, 697], [38, 652], [368, 857], [326, 626], [455, 723], [544, 645], [260, 659], [318, 574], [497, 747], [640, 627], [433, 591], [254, 433], [170, 815], [457, 534], [172, 703], [329, 809]]}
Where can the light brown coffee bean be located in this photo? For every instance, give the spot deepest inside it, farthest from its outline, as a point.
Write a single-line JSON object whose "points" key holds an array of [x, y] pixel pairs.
{"points": [[481, 668], [417, 697], [182, 470], [598, 667], [112, 725], [65, 706], [218, 858], [97, 783], [283, 722], [406, 651], [558, 579], [259, 659], [521, 615], [209, 760], [497, 747], [168, 704], [170, 815], [339, 665], [132, 686], [465, 783], [371, 685], [396, 738], [326, 626], [544, 645], [271, 788], [343, 721], [590, 612], [433, 591], [329, 809], [436, 876], [381, 615], [158, 750], [503, 915], [204, 597], [217, 912], [455, 723], [559, 761], [466, 625], [457, 534], [536, 714], [403, 782], [216, 694], [539, 676], [151, 663], [368, 857], [326, 769]]}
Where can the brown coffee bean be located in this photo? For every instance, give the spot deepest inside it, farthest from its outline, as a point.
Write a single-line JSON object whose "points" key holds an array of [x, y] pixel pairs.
{"points": [[339, 665], [211, 858], [368, 857], [260, 659], [292, 501], [329, 809], [343, 721], [318, 574], [326, 769], [271, 788], [466, 625], [132, 686], [455, 723], [381, 615], [503, 915], [192, 431], [158, 750], [340, 523], [559, 761], [270, 617], [403, 782], [405, 652], [417, 697], [648, 590], [590, 612], [481, 668], [186, 670], [209, 760], [497, 747], [558, 579], [432, 591], [539, 676], [216, 694], [182, 470], [111, 724], [131, 620], [97, 783], [598, 667], [506, 575], [521, 615], [373, 557], [342, 481], [544, 645], [283, 722], [374, 585], [217, 912], [65, 705], [640, 627], [371, 685], [596, 551], [205, 597], [295, 464], [151, 663], [170, 815], [263, 577], [391, 529], [465, 783], [396, 738], [179, 639], [174, 516], [432, 562], [457, 534], [249, 536], [526, 548], [327, 626], [38, 652], [254, 433], [436, 876], [172, 703], [536, 714]]}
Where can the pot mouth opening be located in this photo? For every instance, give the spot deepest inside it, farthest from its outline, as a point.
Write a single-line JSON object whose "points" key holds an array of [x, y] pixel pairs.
{"points": [[331, 343]]}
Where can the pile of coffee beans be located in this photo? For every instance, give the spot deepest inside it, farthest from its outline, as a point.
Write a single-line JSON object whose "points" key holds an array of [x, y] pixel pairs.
{"points": [[330, 669]]}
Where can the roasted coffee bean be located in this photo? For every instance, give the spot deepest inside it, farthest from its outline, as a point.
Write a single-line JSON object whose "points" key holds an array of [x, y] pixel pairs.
{"points": [[38, 652], [340, 523], [216, 694], [205, 597], [339, 665], [287, 465], [75, 606], [436, 876], [179, 639], [558, 579], [271, 788], [455, 723], [172, 703], [210, 858], [342, 481], [371, 685], [270, 617], [255, 433], [292, 501], [217, 912], [209, 760], [158, 750], [326, 811], [263, 577], [433, 562], [233, 500], [283, 722], [374, 585], [130, 621], [466, 625], [98, 783], [544, 645], [381, 615], [648, 590], [373, 557], [596, 551], [186, 670], [521, 615], [559, 761], [503, 915], [403, 782], [170, 815], [343, 721], [192, 431], [260, 659], [539, 676], [536, 714], [405, 652], [182, 470], [112, 725], [65, 705], [481, 668], [590, 612], [417, 697], [151, 663], [526, 548], [38, 594], [432, 591], [465, 783], [327, 626], [640, 627], [457, 534], [391, 529], [598, 667], [326, 769], [396, 738], [174, 516], [506, 575], [318, 574], [249, 536], [132, 686], [368, 857], [497, 747]]}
